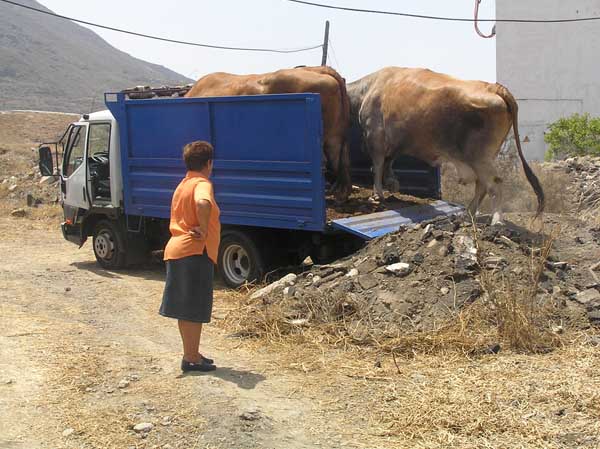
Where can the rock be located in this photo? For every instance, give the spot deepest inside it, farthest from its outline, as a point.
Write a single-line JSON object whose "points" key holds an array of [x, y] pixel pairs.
{"points": [[9, 382], [166, 421], [316, 280], [329, 278], [18, 213], [494, 349], [466, 254], [281, 283], [444, 290], [418, 259], [367, 281], [352, 273], [494, 262], [367, 266], [399, 269], [288, 292], [12, 188], [308, 261], [587, 296], [252, 414], [143, 427], [433, 243], [593, 340], [427, 232], [68, 432], [594, 316], [390, 255], [299, 322], [414, 284], [557, 265], [123, 384], [443, 251]]}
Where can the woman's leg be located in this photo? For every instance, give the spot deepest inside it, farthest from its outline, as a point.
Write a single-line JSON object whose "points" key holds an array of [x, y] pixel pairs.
{"points": [[190, 336]]}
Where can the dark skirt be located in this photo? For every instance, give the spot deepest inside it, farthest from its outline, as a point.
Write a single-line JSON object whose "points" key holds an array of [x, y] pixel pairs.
{"points": [[188, 291]]}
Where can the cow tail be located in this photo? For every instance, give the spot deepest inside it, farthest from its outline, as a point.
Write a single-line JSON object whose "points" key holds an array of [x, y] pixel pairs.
{"points": [[513, 109]]}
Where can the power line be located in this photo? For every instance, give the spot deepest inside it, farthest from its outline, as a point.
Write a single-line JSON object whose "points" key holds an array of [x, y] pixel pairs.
{"points": [[448, 19], [158, 38], [337, 63]]}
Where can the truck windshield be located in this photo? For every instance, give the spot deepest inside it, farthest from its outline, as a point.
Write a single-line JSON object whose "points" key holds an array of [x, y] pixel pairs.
{"points": [[99, 137], [75, 150]]}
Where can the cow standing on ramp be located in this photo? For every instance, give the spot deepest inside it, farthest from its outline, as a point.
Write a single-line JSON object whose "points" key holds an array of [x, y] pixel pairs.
{"points": [[437, 118], [323, 80]]}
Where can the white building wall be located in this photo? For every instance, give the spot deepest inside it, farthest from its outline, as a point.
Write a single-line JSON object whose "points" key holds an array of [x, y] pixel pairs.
{"points": [[552, 69]]}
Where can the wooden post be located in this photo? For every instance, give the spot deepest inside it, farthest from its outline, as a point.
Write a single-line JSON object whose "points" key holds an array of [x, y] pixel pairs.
{"points": [[325, 43]]}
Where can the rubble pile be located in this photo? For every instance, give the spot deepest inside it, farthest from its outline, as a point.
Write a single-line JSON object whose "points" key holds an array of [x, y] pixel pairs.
{"points": [[26, 187], [584, 181], [420, 277]]}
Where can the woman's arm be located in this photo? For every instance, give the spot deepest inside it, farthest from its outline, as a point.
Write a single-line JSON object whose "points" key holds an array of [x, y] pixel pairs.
{"points": [[203, 208]]}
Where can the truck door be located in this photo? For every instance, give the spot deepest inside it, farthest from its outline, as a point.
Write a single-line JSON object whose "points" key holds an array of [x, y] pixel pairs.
{"points": [[74, 171]]}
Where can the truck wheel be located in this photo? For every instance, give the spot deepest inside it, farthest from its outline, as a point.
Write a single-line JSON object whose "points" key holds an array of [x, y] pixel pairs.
{"points": [[239, 260], [109, 245]]}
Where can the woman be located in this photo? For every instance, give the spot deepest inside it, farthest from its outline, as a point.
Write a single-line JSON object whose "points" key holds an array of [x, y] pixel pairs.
{"points": [[191, 253]]}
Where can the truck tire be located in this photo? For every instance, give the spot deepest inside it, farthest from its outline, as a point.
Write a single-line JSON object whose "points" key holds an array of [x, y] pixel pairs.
{"points": [[240, 260], [109, 245]]}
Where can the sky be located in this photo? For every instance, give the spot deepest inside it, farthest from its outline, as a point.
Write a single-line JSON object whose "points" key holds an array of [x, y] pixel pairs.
{"points": [[360, 43]]}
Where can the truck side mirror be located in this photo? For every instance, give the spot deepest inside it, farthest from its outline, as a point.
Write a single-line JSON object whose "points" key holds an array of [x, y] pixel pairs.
{"points": [[46, 164]]}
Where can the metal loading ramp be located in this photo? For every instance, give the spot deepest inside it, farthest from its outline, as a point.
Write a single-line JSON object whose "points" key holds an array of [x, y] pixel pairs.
{"points": [[381, 223]]}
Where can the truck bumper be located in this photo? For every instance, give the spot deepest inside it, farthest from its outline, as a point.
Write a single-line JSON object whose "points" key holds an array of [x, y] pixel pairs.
{"points": [[72, 233]]}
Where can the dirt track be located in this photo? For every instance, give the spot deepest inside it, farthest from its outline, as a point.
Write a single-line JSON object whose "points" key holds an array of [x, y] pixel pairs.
{"points": [[72, 332]]}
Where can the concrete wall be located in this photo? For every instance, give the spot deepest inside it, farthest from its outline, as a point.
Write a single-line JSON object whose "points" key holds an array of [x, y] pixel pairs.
{"points": [[552, 69]]}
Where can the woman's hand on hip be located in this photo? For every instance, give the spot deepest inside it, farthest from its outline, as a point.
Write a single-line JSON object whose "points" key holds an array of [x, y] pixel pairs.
{"points": [[197, 233]]}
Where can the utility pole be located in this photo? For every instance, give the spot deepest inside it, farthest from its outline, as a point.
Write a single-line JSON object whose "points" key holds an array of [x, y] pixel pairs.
{"points": [[325, 43]]}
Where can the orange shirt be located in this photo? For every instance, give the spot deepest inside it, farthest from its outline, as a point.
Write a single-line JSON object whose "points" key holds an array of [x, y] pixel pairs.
{"points": [[193, 188]]}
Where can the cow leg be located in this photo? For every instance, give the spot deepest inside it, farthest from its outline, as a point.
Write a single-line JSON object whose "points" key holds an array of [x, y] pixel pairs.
{"points": [[488, 183], [343, 175], [495, 192], [378, 167], [480, 193], [390, 181]]}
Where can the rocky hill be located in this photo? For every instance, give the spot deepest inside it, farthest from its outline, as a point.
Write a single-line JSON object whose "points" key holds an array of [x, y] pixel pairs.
{"points": [[53, 64]]}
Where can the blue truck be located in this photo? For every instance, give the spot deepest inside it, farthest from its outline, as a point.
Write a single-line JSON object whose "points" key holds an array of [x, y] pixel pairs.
{"points": [[120, 167]]}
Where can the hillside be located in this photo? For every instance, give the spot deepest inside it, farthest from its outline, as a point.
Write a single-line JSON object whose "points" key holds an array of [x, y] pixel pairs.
{"points": [[53, 64]]}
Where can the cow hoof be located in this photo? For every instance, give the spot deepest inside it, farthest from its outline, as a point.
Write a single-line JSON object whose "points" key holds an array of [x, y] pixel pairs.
{"points": [[497, 220]]}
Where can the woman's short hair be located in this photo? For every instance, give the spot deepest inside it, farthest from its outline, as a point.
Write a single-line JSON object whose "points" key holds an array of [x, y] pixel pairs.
{"points": [[197, 154]]}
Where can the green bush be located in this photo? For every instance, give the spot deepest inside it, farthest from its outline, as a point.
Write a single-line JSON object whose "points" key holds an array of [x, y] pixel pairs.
{"points": [[577, 135]]}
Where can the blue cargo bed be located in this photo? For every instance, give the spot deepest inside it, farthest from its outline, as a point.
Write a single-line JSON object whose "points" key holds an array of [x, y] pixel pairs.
{"points": [[268, 155]]}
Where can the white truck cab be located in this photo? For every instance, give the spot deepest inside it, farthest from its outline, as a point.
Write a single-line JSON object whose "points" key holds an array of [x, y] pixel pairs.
{"points": [[91, 156], [91, 190]]}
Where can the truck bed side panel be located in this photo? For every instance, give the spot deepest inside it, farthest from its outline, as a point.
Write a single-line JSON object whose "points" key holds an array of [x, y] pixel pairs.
{"points": [[268, 156]]}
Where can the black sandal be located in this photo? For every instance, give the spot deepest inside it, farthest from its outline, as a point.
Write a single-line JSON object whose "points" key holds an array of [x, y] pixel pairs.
{"points": [[203, 365], [211, 361]]}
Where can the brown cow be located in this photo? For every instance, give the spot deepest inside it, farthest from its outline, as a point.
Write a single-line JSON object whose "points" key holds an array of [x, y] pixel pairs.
{"points": [[437, 118], [322, 80]]}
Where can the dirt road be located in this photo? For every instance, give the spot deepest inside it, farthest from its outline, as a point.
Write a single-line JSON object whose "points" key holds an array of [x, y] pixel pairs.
{"points": [[84, 348]]}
